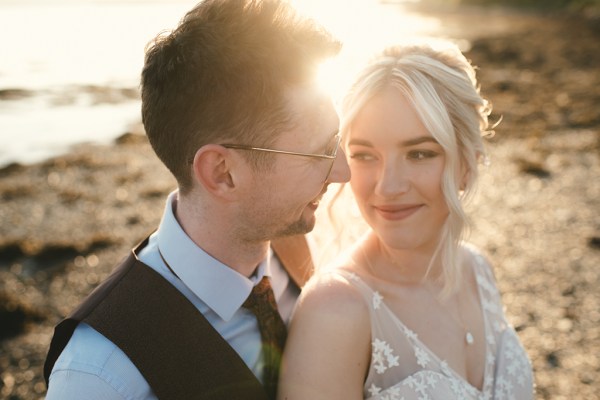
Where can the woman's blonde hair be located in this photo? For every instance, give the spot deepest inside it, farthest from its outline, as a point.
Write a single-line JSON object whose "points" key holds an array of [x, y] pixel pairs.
{"points": [[442, 87]]}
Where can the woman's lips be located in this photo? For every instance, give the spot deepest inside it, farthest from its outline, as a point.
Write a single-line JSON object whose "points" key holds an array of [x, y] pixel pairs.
{"points": [[397, 213]]}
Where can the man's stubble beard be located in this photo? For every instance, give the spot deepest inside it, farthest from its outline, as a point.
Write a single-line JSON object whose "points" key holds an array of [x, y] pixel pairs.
{"points": [[300, 227], [261, 232]]}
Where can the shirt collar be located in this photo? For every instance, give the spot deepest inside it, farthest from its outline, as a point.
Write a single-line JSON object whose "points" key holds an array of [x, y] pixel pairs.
{"points": [[220, 287]]}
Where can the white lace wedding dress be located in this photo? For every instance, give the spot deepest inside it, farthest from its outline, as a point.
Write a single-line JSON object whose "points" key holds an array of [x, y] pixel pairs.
{"points": [[403, 368]]}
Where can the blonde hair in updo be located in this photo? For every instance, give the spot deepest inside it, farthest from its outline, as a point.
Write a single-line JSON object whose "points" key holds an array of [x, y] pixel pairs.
{"points": [[442, 87]]}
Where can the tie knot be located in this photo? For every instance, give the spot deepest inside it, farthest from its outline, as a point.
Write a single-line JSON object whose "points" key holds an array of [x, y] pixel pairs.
{"points": [[261, 295]]}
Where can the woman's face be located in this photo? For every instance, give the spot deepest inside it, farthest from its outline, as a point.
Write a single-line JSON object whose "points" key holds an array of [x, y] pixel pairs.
{"points": [[397, 169]]}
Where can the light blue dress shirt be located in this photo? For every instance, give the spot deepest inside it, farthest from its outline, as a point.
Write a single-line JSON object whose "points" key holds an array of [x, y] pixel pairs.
{"points": [[92, 367]]}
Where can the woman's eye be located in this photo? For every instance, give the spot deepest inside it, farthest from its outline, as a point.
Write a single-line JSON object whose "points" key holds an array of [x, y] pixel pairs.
{"points": [[421, 154], [361, 156]]}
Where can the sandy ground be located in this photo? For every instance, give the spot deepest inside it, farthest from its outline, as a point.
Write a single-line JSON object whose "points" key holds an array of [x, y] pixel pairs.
{"points": [[66, 221]]}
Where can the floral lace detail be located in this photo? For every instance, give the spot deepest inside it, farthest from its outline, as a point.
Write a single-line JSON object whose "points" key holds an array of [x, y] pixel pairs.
{"points": [[490, 359], [498, 326], [422, 357], [459, 387], [390, 394], [486, 396], [490, 306], [486, 285], [516, 366], [504, 389], [377, 299], [404, 368], [410, 335], [461, 390], [421, 384], [374, 390], [382, 354]]}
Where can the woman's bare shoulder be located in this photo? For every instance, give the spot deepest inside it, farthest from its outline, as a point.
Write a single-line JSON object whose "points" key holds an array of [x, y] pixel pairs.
{"points": [[333, 290], [321, 360]]}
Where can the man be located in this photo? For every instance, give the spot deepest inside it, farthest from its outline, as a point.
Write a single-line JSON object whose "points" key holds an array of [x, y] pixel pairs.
{"points": [[230, 107]]}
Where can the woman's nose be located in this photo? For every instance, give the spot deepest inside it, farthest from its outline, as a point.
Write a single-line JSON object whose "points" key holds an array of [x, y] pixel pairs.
{"points": [[393, 180]]}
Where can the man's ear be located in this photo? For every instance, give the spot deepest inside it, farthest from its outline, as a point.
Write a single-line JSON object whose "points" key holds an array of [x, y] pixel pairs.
{"points": [[212, 169]]}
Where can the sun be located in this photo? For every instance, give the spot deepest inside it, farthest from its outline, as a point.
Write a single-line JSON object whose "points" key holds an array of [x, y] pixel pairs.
{"points": [[364, 27]]}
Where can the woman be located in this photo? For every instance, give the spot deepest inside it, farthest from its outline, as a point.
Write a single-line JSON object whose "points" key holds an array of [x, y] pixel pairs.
{"points": [[412, 312]]}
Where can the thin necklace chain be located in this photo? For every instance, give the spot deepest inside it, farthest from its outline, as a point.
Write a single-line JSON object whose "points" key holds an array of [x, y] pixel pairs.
{"points": [[468, 336]]}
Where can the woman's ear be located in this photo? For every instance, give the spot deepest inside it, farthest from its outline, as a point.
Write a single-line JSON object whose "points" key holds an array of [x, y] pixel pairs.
{"points": [[212, 169]]}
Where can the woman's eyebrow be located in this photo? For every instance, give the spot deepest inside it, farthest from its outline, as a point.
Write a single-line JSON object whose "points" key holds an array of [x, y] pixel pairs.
{"points": [[406, 143], [418, 140], [360, 142]]}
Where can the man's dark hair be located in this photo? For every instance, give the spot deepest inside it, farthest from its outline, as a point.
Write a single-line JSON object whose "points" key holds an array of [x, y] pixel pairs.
{"points": [[221, 75]]}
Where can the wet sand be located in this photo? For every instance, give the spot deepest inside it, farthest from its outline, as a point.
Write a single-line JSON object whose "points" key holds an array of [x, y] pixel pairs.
{"points": [[68, 220]]}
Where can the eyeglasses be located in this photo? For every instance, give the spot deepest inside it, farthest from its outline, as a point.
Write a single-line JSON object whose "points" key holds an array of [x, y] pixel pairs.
{"points": [[330, 153]]}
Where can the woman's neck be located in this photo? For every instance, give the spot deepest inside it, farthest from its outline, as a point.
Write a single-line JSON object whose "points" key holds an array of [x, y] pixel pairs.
{"points": [[401, 266]]}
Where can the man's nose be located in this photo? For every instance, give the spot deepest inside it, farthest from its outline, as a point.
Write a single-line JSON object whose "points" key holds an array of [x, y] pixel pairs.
{"points": [[340, 171]]}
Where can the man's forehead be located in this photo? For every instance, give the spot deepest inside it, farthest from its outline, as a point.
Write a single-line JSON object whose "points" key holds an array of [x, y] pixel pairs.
{"points": [[311, 108], [307, 97]]}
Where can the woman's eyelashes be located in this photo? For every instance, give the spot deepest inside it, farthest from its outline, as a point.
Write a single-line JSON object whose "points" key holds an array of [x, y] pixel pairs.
{"points": [[361, 156], [421, 154]]}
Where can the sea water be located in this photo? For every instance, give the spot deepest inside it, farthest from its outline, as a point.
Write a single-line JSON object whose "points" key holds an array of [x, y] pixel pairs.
{"points": [[69, 70]]}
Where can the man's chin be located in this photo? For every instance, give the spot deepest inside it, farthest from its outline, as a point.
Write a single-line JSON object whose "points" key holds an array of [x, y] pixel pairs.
{"points": [[300, 227]]}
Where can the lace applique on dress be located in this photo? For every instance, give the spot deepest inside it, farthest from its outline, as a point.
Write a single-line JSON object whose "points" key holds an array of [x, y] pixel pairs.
{"points": [[383, 356], [377, 298], [403, 368]]}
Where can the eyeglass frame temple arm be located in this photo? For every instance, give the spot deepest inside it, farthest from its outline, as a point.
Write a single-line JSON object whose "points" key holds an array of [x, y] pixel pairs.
{"points": [[243, 147]]}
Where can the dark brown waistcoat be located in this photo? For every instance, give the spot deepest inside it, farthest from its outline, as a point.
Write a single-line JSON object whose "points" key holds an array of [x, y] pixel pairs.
{"points": [[173, 346]]}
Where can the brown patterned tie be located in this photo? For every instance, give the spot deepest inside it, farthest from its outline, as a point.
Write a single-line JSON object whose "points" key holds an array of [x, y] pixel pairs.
{"points": [[272, 331]]}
